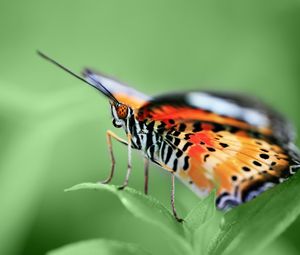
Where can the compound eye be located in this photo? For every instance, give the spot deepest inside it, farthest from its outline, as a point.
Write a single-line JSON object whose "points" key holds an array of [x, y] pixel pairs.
{"points": [[122, 111]]}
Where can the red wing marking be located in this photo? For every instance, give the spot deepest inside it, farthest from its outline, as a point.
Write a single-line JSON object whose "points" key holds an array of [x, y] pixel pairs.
{"points": [[196, 151], [203, 137]]}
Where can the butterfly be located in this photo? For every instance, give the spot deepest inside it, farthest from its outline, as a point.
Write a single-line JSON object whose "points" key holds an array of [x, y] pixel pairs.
{"points": [[209, 140]]}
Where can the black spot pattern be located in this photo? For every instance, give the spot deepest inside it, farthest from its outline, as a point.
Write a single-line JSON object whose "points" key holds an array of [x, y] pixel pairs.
{"points": [[187, 136], [176, 141], [257, 163], [186, 163], [186, 146], [179, 153], [206, 157], [224, 145], [175, 164], [197, 126], [264, 156], [169, 153], [246, 169], [234, 177], [182, 127], [176, 133], [264, 150]]}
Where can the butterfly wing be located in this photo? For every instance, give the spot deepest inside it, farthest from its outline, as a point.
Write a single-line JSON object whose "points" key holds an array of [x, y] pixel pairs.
{"points": [[281, 127], [121, 92], [237, 111], [213, 140]]}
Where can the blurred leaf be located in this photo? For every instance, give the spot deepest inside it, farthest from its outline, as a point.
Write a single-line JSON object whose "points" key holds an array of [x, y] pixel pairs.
{"points": [[205, 233], [202, 223], [27, 141], [252, 226], [278, 247], [201, 213], [198, 219], [146, 208], [99, 246]]}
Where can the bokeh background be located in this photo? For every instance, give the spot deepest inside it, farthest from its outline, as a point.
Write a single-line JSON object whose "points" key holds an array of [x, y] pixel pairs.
{"points": [[52, 130]]}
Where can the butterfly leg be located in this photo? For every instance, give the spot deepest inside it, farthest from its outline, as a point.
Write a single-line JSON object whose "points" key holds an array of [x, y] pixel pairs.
{"points": [[124, 185], [146, 174], [173, 199], [109, 135]]}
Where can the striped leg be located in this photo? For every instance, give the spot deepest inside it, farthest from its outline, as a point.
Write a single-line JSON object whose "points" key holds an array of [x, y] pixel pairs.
{"points": [[109, 135], [173, 199], [146, 174]]}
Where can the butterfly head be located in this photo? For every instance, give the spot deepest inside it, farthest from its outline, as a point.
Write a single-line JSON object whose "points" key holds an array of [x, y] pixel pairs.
{"points": [[120, 113]]}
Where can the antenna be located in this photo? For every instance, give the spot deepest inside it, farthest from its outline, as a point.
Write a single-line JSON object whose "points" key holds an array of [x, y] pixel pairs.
{"points": [[105, 91]]}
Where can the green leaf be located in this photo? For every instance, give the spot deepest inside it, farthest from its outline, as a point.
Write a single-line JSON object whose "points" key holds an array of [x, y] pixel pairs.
{"points": [[201, 213], [202, 223], [205, 233], [148, 209], [278, 247], [99, 246], [252, 226]]}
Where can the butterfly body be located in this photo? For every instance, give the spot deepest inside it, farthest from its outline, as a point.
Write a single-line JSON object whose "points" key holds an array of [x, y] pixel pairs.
{"points": [[228, 142]]}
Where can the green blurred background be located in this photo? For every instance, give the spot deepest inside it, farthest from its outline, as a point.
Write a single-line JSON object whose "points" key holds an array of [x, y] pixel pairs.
{"points": [[53, 126]]}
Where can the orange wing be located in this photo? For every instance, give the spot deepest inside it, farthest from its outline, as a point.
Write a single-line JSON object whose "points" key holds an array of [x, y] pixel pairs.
{"points": [[241, 153], [239, 165]]}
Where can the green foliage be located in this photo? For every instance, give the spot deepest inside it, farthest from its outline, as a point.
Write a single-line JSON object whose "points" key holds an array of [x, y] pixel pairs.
{"points": [[99, 246], [247, 229], [258, 222], [148, 209]]}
